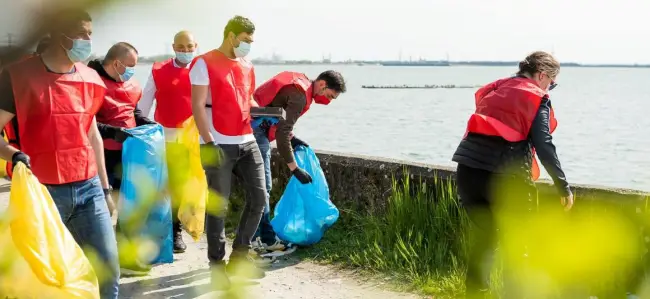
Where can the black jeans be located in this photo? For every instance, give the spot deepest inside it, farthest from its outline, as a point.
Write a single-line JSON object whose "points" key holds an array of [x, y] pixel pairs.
{"points": [[245, 161], [489, 198], [113, 160]]}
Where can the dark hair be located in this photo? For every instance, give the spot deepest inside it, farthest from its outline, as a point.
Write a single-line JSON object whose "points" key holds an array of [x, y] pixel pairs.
{"points": [[539, 61], [42, 45], [118, 50], [237, 25], [334, 80], [69, 19]]}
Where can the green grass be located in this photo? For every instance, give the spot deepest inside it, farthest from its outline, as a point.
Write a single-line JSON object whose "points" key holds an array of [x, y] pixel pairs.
{"points": [[420, 241]]}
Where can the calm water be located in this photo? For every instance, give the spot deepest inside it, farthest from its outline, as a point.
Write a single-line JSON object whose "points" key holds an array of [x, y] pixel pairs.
{"points": [[603, 135]]}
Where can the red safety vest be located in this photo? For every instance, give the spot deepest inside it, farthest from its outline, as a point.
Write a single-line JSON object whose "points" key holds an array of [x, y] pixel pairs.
{"points": [[232, 83], [8, 130], [507, 108], [173, 94], [119, 103], [13, 140], [54, 113], [265, 94]]}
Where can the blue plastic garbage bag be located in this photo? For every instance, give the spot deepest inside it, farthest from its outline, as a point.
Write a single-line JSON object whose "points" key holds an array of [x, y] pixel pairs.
{"points": [[257, 121], [144, 182], [305, 211]]}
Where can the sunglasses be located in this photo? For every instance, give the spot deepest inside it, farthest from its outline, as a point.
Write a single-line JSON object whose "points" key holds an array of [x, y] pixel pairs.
{"points": [[553, 84]]}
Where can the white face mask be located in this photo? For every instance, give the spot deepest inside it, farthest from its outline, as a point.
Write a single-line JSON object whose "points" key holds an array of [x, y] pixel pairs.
{"points": [[81, 49], [243, 49], [185, 57]]}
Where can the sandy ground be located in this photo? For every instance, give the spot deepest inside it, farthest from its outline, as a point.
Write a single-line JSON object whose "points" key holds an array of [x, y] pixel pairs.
{"points": [[188, 277]]}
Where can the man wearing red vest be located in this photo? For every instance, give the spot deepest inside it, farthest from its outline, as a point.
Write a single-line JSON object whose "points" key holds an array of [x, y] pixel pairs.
{"points": [[222, 94], [8, 129], [169, 86], [55, 98], [295, 93], [117, 113]]}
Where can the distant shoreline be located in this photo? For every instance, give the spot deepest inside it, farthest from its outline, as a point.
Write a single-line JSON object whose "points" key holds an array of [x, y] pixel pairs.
{"points": [[414, 63]]}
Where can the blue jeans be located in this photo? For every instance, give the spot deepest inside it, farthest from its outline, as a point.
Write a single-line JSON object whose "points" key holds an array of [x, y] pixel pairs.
{"points": [[84, 212], [265, 230]]}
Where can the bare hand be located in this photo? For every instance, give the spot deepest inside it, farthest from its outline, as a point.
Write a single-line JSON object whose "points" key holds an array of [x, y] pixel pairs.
{"points": [[567, 202], [110, 203]]}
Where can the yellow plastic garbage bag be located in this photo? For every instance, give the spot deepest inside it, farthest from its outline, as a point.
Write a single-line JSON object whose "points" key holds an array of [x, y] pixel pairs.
{"points": [[3, 168], [187, 182], [3, 163], [40, 258]]}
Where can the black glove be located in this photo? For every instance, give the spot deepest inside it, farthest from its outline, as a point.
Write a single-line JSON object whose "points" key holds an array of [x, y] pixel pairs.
{"points": [[211, 154], [146, 121], [295, 142], [20, 157], [120, 134], [302, 175]]}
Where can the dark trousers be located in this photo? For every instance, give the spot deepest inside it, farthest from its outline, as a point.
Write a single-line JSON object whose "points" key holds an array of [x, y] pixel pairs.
{"points": [[245, 161], [494, 203], [265, 230], [113, 160]]}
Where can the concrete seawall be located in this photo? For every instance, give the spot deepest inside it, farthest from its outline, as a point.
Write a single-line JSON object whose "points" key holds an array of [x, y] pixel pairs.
{"points": [[364, 183]]}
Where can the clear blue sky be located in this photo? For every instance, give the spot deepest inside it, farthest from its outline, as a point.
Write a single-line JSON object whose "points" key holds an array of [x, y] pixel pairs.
{"points": [[576, 30]]}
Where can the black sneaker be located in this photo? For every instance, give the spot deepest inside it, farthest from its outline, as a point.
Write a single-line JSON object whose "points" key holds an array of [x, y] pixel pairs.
{"points": [[179, 245], [245, 265], [219, 280]]}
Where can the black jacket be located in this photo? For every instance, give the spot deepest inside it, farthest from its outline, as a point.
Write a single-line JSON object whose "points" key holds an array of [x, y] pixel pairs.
{"points": [[107, 131], [495, 154]]}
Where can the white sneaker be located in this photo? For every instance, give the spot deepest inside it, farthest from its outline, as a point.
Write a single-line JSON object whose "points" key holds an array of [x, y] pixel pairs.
{"points": [[279, 248]]}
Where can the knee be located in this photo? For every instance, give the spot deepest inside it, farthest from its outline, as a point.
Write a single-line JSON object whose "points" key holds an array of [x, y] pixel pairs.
{"points": [[259, 199]]}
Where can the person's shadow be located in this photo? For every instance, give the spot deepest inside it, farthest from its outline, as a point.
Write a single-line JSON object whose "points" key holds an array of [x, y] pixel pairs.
{"points": [[179, 287], [173, 286]]}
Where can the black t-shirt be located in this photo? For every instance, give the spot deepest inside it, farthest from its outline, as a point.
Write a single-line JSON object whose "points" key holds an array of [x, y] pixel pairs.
{"points": [[7, 97], [7, 101]]}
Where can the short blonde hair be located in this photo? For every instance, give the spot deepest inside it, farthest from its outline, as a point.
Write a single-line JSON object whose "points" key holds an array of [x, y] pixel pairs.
{"points": [[539, 61]]}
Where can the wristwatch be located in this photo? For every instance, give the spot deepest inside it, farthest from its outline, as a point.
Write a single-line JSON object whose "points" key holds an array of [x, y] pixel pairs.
{"points": [[108, 191]]}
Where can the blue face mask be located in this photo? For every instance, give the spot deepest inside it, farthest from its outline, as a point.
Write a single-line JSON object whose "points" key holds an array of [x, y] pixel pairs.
{"points": [[184, 58], [243, 49], [81, 50], [128, 72]]}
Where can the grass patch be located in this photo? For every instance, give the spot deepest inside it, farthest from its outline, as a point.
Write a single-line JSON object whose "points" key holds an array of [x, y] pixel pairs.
{"points": [[421, 240]]}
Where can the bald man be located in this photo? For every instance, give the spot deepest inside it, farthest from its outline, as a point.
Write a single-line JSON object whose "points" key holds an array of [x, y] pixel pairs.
{"points": [[169, 86], [119, 112]]}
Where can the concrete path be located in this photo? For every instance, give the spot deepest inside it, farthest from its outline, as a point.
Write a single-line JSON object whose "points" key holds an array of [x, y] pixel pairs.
{"points": [[188, 277]]}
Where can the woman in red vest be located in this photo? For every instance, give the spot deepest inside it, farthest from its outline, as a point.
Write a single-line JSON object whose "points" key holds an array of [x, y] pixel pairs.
{"points": [[496, 159]]}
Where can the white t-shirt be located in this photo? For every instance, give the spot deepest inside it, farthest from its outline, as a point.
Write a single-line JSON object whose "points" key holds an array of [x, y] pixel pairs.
{"points": [[199, 76]]}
